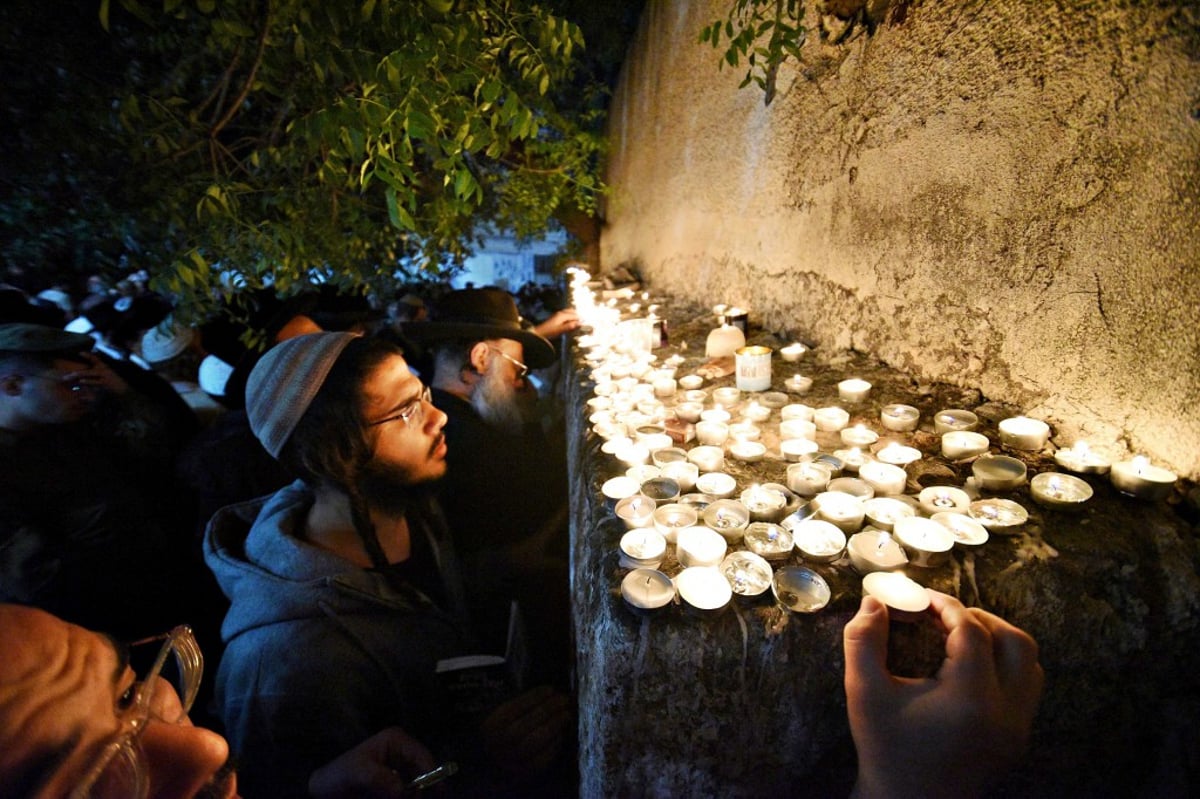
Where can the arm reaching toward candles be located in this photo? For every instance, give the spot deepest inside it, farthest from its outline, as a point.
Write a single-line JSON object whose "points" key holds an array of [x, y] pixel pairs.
{"points": [[947, 735], [560, 322]]}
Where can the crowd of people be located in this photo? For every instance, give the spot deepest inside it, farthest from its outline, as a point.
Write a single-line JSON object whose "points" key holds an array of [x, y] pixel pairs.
{"points": [[377, 496]]}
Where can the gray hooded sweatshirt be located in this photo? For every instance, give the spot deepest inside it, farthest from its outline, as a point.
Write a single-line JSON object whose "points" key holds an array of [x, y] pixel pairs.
{"points": [[320, 653]]}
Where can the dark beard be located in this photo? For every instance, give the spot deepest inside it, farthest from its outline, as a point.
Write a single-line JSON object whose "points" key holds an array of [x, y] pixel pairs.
{"points": [[388, 491]]}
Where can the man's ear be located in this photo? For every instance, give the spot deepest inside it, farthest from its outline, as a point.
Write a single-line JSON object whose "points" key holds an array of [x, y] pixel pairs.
{"points": [[479, 358]]}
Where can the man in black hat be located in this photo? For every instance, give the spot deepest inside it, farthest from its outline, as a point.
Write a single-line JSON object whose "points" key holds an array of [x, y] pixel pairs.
{"points": [[505, 490]]}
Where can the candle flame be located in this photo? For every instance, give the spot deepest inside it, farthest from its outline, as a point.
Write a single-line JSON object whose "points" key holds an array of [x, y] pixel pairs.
{"points": [[1140, 463]]}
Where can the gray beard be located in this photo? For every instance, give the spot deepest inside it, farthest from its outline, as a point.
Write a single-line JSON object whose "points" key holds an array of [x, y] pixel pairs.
{"points": [[497, 402]]}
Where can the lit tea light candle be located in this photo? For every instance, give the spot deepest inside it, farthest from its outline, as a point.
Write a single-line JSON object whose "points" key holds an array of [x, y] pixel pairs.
{"points": [[1023, 433], [695, 395], [809, 478], [632, 454], [715, 415], [819, 541], [793, 352], [703, 588], [800, 590], [663, 490], [712, 433], [875, 551], [885, 478], [1139, 478], [664, 387], [756, 412], [998, 515], [717, 485], [662, 457], [943, 499], [670, 519], [774, 399], [998, 472], [899, 418], [796, 410], [794, 449], [689, 411], [896, 591], [962, 444], [618, 488], [1082, 459], [953, 419], [883, 512], [763, 503], [728, 517], [636, 511], [745, 431], [748, 575], [798, 384], [699, 546], [646, 590], [858, 436], [691, 382], [842, 510], [643, 472], [684, 473], [768, 540], [797, 428], [708, 458], [599, 403], [642, 549], [830, 419], [967, 532], [853, 390], [852, 459], [1059, 491], [926, 542], [898, 454], [747, 451]]}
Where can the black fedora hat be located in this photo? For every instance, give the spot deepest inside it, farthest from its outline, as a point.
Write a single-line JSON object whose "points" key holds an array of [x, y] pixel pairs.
{"points": [[481, 314]]}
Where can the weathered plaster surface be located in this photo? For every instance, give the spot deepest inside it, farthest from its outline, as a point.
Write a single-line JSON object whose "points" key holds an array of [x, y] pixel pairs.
{"points": [[1000, 194]]}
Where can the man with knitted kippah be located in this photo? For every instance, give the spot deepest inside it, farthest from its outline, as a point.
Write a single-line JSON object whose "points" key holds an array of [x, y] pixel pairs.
{"points": [[344, 588]]}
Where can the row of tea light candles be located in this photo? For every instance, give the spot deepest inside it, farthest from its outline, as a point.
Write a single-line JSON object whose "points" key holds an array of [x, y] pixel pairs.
{"points": [[619, 368]]}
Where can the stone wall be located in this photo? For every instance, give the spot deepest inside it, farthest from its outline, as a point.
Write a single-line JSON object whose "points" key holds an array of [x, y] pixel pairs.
{"points": [[1002, 194]]}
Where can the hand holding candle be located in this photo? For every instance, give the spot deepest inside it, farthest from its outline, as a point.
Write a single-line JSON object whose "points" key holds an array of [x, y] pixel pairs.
{"points": [[958, 729]]}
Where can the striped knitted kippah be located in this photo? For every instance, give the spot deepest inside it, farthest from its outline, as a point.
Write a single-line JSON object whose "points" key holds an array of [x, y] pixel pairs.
{"points": [[285, 380]]}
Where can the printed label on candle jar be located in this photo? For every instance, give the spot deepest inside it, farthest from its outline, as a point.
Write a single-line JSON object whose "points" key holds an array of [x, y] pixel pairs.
{"points": [[753, 368]]}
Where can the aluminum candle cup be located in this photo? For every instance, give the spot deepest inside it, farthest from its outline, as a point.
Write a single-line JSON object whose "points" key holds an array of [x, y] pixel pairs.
{"points": [[1082, 459], [852, 486], [1059, 491], [636, 511], [647, 590], [808, 479], [794, 450], [819, 541], [874, 551], [712, 433], [774, 399], [801, 590], [707, 458], [690, 382], [682, 472], [797, 428], [899, 418], [747, 451], [670, 519], [853, 390], [768, 540], [728, 517], [755, 411], [999, 516], [727, 396], [796, 410], [898, 454], [765, 504], [662, 457], [883, 477], [745, 431], [1023, 433], [748, 575], [858, 436], [792, 352], [961, 444], [830, 419], [943, 499], [842, 510], [852, 459], [689, 411], [618, 488], [717, 485], [699, 546], [719, 414], [953, 419], [998, 472], [663, 490], [1138, 478], [896, 591], [798, 384], [703, 589], [884, 512], [642, 549], [968, 533], [926, 542]]}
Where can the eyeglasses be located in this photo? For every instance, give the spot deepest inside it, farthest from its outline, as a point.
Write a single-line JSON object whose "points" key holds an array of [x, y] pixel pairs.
{"points": [[120, 769], [413, 412], [522, 369]]}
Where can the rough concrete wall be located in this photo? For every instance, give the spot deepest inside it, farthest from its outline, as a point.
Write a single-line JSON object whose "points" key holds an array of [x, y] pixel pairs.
{"points": [[1003, 194]]}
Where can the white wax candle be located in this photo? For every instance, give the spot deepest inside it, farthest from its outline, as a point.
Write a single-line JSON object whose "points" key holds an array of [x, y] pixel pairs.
{"points": [[747, 451], [793, 449], [1082, 459], [664, 387], [807, 479], [716, 484], [792, 352], [896, 591], [644, 546], [853, 390], [898, 454], [796, 410], [852, 459], [756, 412], [926, 542], [819, 540], [966, 531], [943, 499], [858, 436], [726, 396], [708, 458], [1139, 478], [691, 382], [712, 433], [636, 510], [797, 428], [883, 477], [745, 431], [703, 587], [689, 411], [763, 502], [699, 546], [883, 512], [1023, 433], [873, 551], [715, 415], [670, 519], [647, 589], [1059, 491], [960, 444], [842, 510], [900, 418], [954, 419], [617, 488], [682, 472], [728, 517], [831, 419], [798, 384]]}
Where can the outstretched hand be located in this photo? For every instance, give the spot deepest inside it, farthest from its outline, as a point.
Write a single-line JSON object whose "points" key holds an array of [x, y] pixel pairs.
{"points": [[950, 734], [560, 322], [378, 768]]}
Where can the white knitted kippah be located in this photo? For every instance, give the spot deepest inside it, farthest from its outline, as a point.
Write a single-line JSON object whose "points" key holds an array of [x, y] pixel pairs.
{"points": [[284, 381]]}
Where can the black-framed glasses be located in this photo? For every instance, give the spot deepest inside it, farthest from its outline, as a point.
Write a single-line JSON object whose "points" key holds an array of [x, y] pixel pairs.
{"points": [[522, 369], [120, 768], [412, 412]]}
